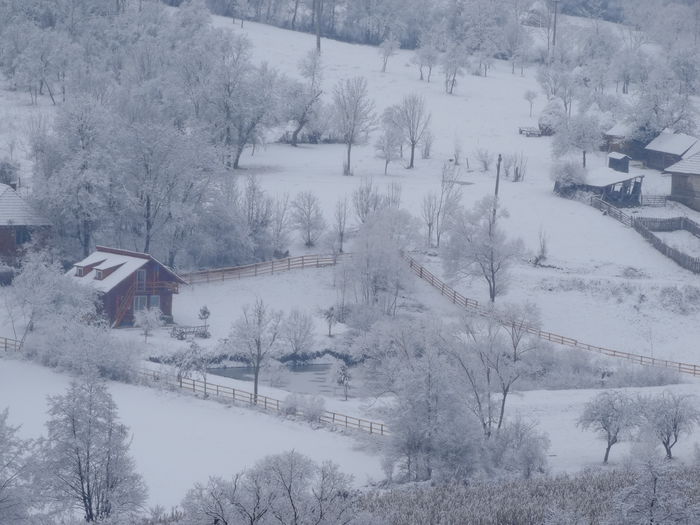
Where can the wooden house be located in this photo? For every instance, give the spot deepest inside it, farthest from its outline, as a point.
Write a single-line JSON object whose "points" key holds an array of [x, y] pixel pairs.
{"points": [[128, 282], [685, 181], [19, 225], [619, 162], [667, 149], [619, 138]]}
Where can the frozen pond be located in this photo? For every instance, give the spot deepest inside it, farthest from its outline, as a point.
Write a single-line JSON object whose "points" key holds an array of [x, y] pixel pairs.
{"points": [[313, 379]]}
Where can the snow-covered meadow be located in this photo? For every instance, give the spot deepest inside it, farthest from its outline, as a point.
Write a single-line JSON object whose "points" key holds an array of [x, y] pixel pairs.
{"points": [[602, 282]]}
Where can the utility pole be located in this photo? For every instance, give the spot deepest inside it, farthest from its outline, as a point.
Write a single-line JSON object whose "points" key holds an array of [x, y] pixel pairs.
{"points": [[495, 193]]}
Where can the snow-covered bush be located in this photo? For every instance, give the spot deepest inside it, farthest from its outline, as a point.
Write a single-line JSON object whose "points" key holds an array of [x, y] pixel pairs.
{"points": [[518, 449], [567, 174], [551, 116], [148, 319], [312, 408]]}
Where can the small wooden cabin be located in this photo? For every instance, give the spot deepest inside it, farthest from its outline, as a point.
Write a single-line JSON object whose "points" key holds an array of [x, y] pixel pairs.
{"points": [[19, 225], [668, 149], [128, 282], [685, 181]]}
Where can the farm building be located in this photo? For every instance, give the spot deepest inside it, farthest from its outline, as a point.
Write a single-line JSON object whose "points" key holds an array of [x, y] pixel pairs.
{"points": [[619, 162], [128, 282], [19, 224], [667, 149], [609, 186], [685, 181]]}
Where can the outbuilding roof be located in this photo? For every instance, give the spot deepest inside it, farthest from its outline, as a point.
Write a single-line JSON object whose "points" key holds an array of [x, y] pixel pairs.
{"points": [[687, 166], [601, 177], [672, 143], [621, 130], [14, 210], [122, 263], [617, 156]]}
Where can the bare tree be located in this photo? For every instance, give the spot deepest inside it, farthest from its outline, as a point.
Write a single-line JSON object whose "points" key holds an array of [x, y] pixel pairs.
{"points": [[355, 115], [429, 211], [413, 119], [448, 200], [307, 217], [256, 334], [340, 220], [612, 415]]}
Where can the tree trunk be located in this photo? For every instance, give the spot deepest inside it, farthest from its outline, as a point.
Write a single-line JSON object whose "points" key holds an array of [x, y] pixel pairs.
{"points": [[413, 155], [584, 158], [294, 17], [607, 453], [347, 166]]}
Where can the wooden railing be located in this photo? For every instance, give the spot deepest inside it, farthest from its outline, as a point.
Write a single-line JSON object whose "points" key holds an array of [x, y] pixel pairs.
{"points": [[477, 308], [263, 268], [654, 200], [612, 211], [10, 345], [264, 402]]}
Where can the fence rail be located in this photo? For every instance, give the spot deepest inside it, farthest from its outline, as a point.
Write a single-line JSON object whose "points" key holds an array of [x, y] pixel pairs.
{"points": [[10, 345], [476, 307], [654, 200], [263, 268], [197, 386]]}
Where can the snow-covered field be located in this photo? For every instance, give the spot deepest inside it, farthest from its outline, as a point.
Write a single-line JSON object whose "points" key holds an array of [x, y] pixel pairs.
{"points": [[681, 240], [603, 283]]}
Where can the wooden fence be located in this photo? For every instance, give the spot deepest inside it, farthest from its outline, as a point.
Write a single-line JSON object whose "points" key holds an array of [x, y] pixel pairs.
{"points": [[10, 345], [477, 308], [264, 402], [263, 268], [654, 200], [646, 227]]}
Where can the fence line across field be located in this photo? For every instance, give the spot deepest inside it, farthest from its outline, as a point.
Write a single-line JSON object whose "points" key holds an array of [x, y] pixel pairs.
{"points": [[476, 307], [263, 268], [206, 388]]}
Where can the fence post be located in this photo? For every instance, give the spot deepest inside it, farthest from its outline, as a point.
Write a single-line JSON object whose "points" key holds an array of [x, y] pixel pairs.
{"points": [[205, 388], [289, 263]]}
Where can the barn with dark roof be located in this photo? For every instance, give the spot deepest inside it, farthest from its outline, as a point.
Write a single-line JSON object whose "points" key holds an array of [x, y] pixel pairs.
{"points": [[19, 224]]}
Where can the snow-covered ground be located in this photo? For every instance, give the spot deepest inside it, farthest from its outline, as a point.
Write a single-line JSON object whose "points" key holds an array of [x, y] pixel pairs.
{"points": [[681, 240], [179, 440]]}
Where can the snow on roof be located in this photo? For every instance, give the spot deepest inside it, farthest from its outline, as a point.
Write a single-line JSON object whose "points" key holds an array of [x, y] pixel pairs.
{"points": [[127, 265], [603, 176], [617, 156], [621, 129], [695, 148], [15, 210], [672, 143], [689, 166]]}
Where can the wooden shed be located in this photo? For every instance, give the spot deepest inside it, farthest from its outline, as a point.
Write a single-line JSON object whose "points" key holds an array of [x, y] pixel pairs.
{"points": [[19, 225], [668, 149], [619, 162], [609, 185], [128, 282], [685, 181]]}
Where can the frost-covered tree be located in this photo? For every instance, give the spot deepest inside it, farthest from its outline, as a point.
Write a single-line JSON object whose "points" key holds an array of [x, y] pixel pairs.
{"points": [[667, 417], [580, 132], [478, 246], [426, 58], [388, 49], [298, 334], [307, 217], [286, 488], [256, 334], [390, 142], [340, 219], [612, 415], [530, 96], [354, 112], [148, 320], [413, 119], [87, 466], [343, 377], [452, 64], [305, 97], [16, 494]]}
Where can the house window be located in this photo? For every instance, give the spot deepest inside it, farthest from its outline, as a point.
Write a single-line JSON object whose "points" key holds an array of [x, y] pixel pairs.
{"points": [[140, 279], [79, 272], [22, 235], [154, 301], [140, 302], [98, 275]]}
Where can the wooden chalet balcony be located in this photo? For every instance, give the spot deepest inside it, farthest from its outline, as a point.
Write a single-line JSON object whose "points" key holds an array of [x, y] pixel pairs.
{"points": [[155, 287]]}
